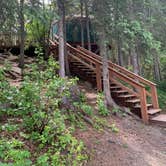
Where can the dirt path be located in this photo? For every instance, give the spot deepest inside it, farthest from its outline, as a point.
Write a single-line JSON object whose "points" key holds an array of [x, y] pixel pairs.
{"points": [[134, 145]]}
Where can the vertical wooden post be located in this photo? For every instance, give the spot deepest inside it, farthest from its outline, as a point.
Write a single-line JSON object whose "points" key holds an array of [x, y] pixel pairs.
{"points": [[98, 77], [144, 113], [154, 97]]}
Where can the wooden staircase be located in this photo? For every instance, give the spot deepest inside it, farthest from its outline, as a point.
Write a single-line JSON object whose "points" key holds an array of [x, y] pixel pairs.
{"points": [[127, 88]]}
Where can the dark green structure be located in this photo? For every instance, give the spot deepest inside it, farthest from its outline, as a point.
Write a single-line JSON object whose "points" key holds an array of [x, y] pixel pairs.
{"points": [[73, 31]]}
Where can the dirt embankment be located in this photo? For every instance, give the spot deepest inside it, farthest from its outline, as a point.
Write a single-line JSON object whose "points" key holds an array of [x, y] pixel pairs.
{"points": [[134, 145]]}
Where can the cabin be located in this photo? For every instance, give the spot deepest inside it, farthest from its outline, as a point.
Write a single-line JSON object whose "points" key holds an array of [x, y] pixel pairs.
{"points": [[73, 31]]}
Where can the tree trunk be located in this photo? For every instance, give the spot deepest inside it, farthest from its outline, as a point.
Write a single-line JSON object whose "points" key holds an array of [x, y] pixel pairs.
{"points": [[118, 39], [106, 82], [87, 24], [61, 39], [133, 40], [65, 47], [156, 66], [22, 35], [81, 23], [120, 58], [134, 60]]}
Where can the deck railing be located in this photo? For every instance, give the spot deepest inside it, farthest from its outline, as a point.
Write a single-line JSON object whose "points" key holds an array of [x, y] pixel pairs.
{"points": [[9, 40]]}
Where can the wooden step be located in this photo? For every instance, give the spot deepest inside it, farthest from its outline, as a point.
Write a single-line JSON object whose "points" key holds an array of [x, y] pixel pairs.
{"points": [[119, 91], [86, 69], [77, 64], [127, 96], [133, 101], [80, 68], [139, 106], [113, 84], [153, 111], [115, 87], [160, 120]]}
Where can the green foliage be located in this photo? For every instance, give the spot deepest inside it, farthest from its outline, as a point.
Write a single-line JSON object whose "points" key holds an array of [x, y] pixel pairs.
{"points": [[115, 110], [163, 65], [114, 128], [39, 103], [99, 123], [40, 17], [162, 95], [7, 94], [101, 106], [9, 127], [87, 109], [10, 150]]}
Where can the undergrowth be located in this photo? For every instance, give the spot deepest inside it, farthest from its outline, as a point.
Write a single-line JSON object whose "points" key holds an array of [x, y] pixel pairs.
{"points": [[47, 120], [39, 118], [162, 95]]}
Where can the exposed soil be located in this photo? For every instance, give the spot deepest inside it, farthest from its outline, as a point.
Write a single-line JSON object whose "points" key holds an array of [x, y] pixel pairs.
{"points": [[134, 145]]}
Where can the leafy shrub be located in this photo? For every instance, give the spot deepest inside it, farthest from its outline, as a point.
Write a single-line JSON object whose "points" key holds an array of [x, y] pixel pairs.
{"points": [[11, 150], [101, 106], [114, 128], [162, 86], [87, 109], [40, 101], [162, 94]]}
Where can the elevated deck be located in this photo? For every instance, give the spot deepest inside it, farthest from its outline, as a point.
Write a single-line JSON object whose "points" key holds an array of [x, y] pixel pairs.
{"points": [[9, 40]]}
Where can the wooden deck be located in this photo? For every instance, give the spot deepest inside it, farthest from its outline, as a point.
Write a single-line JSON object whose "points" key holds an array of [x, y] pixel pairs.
{"points": [[9, 40], [127, 88]]}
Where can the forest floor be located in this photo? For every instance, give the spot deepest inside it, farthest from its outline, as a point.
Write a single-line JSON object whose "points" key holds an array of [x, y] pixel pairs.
{"points": [[134, 144]]}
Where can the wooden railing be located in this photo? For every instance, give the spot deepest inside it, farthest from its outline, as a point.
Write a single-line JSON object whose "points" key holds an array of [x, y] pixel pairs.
{"points": [[9, 40], [153, 92], [116, 73]]}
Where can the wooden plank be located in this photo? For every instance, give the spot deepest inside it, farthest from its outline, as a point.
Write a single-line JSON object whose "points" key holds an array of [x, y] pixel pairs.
{"points": [[133, 101], [76, 58], [98, 77], [153, 111], [124, 87], [160, 118], [154, 97], [134, 83], [143, 103]]}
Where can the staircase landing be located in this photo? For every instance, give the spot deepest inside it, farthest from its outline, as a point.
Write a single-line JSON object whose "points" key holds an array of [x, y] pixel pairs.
{"points": [[160, 120]]}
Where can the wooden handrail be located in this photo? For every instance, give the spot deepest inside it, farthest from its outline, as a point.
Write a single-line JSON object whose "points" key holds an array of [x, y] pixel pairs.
{"points": [[125, 78], [82, 54], [122, 69], [152, 94], [94, 61], [86, 57]]}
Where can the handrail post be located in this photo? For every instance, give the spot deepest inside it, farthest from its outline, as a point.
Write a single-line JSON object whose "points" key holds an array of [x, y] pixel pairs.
{"points": [[98, 77], [144, 113], [154, 97]]}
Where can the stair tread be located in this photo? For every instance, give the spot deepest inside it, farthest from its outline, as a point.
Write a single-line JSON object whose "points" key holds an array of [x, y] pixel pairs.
{"points": [[160, 118], [126, 96], [119, 91], [133, 100], [115, 87], [153, 111], [87, 69], [139, 106]]}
